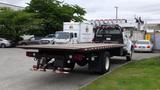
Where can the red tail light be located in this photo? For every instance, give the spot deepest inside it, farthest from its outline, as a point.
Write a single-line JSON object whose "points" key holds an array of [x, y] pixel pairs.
{"points": [[135, 46], [30, 54], [148, 46]]}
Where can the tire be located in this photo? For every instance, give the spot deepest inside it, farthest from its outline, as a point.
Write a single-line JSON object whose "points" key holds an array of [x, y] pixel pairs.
{"points": [[3, 45], [104, 62], [101, 64], [129, 56]]}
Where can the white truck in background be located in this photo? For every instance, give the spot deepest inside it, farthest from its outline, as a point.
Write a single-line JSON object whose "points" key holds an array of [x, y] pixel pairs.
{"points": [[75, 32]]}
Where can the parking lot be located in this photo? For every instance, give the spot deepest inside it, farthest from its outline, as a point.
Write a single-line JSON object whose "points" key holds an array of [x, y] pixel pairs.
{"points": [[15, 73]]}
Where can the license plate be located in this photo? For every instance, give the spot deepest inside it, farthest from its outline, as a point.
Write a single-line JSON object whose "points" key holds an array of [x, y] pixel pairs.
{"points": [[108, 39], [141, 46]]}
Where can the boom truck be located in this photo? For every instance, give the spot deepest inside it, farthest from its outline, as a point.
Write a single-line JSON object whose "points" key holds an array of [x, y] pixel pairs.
{"points": [[108, 41]]}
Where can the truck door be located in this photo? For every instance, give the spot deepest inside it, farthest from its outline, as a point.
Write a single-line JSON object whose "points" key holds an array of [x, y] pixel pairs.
{"points": [[127, 43], [75, 39]]}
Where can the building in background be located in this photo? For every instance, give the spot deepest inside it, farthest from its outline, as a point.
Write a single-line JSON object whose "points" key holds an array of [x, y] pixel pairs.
{"points": [[152, 28], [152, 25], [14, 7]]}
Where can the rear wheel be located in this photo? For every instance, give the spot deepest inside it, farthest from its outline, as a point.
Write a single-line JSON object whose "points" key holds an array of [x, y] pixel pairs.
{"points": [[104, 64], [129, 56], [101, 64], [3, 45]]}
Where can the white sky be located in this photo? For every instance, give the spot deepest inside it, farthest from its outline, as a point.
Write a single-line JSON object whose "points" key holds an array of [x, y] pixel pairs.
{"points": [[100, 9]]}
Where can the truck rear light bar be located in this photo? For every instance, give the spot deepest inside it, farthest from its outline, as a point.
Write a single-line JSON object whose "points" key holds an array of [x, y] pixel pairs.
{"points": [[31, 54], [78, 57]]}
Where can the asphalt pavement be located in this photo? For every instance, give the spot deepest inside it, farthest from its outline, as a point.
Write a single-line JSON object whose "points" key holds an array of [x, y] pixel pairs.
{"points": [[15, 73]]}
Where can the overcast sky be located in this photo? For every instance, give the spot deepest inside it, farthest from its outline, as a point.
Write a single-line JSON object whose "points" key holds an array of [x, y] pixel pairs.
{"points": [[101, 9]]}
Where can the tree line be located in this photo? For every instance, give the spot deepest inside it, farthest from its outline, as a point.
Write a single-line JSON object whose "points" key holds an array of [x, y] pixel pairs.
{"points": [[39, 18]]}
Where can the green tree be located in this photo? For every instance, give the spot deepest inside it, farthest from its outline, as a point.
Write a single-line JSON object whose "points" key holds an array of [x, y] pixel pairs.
{"points": [[41, 17], [54, 13], [13, 24], [7, 28]]}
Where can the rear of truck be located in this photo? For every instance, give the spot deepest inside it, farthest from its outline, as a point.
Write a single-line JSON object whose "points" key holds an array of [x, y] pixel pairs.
{"points": [[62, 58]]}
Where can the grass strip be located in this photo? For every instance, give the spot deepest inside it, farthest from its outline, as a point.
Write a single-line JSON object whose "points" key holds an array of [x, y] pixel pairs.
{"points": [[137, 75]]}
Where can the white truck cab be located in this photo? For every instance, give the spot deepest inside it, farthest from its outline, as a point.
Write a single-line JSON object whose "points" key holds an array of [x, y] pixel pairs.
{"points": [[65, 37], [49, 39], [128, 43], [114, 34], [75, 32]]}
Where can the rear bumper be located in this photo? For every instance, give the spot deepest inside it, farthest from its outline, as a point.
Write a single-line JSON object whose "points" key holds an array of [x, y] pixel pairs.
{"points": [[143, 49], [31, 54]]}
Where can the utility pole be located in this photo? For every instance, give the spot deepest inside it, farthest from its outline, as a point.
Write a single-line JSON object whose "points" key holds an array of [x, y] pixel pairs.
{"points": [[116, 14]]}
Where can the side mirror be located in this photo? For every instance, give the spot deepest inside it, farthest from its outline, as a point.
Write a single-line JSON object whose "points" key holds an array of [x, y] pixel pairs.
{"points": [[71, 35], [75, 34], [122, 29], [126, 36]]}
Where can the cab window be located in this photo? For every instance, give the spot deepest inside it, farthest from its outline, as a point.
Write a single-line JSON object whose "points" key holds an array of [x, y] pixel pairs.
{"points": [[75, 34]]}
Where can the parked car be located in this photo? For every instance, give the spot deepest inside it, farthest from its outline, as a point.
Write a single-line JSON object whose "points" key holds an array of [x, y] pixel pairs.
{"points": [[49, 39], [143, 46], [5, 43], [30, 41]]}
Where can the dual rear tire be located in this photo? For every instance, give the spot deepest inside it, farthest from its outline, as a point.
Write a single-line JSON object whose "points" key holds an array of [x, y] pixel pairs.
{"points": [[101, 65], [129, 55], [104, 63]]}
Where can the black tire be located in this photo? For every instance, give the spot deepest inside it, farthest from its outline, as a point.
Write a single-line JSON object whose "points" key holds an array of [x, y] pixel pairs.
{"points": [[129, 56], [3, 45], [101, 64], [104, 62]]}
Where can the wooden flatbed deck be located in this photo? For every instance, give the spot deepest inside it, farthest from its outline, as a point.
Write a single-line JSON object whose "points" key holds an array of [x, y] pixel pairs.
{"points": [[85, 47]]}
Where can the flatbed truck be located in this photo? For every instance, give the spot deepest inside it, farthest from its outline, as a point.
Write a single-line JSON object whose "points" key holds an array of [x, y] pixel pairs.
{"points": [[62, 58]]}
